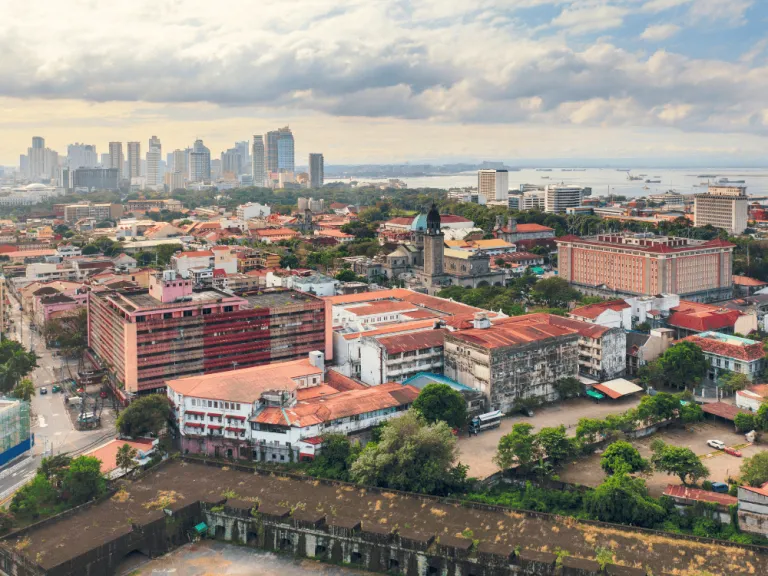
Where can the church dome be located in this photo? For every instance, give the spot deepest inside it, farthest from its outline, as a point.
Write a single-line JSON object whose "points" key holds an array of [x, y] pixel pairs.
{"points": [[419, 222]]}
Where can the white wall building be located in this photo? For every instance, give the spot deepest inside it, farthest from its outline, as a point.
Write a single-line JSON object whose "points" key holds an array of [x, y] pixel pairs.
{"points": [[559, 197], [253, 210], [493, 184]]}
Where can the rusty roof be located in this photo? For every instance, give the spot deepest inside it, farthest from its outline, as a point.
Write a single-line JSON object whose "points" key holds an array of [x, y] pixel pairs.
{"points": [[723, 410], [594, 310], [747, 281], [729, 347], [413, 341], [697, 495]]}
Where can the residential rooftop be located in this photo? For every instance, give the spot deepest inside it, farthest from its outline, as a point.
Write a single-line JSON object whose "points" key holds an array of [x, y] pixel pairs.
{"points": [[728, 346]]}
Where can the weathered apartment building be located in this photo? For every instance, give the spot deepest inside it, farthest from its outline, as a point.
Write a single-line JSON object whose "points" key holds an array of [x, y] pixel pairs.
{"points": [[277, 412], [646, 264], [170, 330], [523, 357]]}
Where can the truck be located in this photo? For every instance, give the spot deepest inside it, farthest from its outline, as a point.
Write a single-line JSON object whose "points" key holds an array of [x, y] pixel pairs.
{"points": [[485, 421]]}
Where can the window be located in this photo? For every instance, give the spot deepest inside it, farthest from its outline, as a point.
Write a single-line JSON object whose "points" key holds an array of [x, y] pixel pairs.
{"points": [[167, 315], [215, 404], [229, 308], [206, 310], [210, 404], [194, 402], [187, 313], [238, 406]]}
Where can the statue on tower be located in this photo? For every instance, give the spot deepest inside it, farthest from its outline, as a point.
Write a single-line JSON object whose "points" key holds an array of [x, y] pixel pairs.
{"points": [[433, 220]]}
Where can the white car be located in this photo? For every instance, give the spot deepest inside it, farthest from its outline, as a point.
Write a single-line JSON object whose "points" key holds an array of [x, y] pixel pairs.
{"points": [[716, 444]]}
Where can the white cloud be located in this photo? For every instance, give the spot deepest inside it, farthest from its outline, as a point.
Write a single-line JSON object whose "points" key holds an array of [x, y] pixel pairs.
{"points": [[590, 18], [729, 12], [659, 32], [662, 5]]}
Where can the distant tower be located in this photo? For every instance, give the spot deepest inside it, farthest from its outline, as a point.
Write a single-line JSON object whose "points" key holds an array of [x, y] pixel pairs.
{"points": [[433, 244], [316, 171], [257, 158]]}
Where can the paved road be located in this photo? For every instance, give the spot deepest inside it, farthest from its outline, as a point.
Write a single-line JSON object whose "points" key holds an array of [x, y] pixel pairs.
{"points": [[51, 425]]}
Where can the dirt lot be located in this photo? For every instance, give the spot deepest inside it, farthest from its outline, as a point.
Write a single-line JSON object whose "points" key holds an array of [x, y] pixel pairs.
{"points": [[477, 452], [587, 471]]}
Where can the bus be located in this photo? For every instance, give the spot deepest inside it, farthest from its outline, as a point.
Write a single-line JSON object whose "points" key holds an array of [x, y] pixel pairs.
{"points": [[486, 421]]}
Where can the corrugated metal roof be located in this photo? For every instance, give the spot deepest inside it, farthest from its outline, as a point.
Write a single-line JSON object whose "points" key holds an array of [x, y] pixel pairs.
{"points": [[413, 341]]}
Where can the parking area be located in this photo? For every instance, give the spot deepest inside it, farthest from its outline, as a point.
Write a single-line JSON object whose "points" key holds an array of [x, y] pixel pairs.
{"points": [[477, 452], [587, 471]]}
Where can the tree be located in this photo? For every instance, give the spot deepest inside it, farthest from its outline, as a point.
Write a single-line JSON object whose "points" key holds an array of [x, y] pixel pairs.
{"points": [[568, 387], [683, 365], [754, 470], [651, 375], [346, 276], [677, 461], [24, 390], [164, 253], [289, 260], [657, 408], [53, 468], [555, 292], [623, 500], [125, 457], [554, 444], [336, 457], [588, 430], [147, 415], [412, 455], [440, 403], [745, 422], [691, 412], [34, 499], [519, 446], [90, 250], [15, 363], [69, 333], [732, 382], [621, 456], [762, 416], [83, 480]]}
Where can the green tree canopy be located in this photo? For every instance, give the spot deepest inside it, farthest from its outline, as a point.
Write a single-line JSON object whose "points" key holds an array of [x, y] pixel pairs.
{"points": [[568, 387], [346, 276], [555, 292], [745, 422], [754, 470], [554, 444], [146, 415], [657, 408], [683, 365], [15, 364], [336, 457], [439, 402], [677, 461], [519, 446], [24, 390], [623, 500], [125, 457], [732, 382], [621, 456], [83, 480], [412, 455]]}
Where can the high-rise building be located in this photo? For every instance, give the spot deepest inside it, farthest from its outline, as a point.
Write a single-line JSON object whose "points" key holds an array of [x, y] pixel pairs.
{"points": [[81, 156], [180, 161], [232, 161], [36, 155], [116, 158], [154, 142], [153, 166], [104, 160], [199, 162], [245, 157], [134, 159], [559, 197], [316, 170], [270, 158], [96, 178], [257, 161], [646, 264], [285, 150], [723, 206], [493, 184], [209, 331]]}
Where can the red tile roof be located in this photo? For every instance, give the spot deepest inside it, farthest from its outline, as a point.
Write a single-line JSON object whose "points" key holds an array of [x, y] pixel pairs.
{"points": [[413, 341], [195, 254], [400, 327], [594, 310], [747, 281], [453, 219], [686, 493], [654, 249], [746, 352], [341, 382], [530, 228], [702, 317], [107, 453], [723, 410], [384, 307], [400, 221], [267, 232]]}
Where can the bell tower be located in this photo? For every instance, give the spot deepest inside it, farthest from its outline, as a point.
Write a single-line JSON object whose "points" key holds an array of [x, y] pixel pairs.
{"points": [[433, 245]]}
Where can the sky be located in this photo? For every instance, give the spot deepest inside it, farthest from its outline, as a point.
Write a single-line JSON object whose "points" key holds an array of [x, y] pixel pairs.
{"points": [[389, 81]]}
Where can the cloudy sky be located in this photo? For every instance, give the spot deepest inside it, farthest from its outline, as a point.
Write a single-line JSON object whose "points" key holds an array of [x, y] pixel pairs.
{"points": [[393, 80]]}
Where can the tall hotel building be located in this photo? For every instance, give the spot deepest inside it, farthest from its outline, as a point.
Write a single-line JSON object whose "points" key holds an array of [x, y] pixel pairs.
{"points": [[493, 184], [646, 264], [145, 337], [134, 159], [723, 206]]}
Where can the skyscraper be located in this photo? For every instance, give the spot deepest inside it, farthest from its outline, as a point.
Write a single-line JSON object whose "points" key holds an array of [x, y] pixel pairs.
{"points": [[316, 170], [180, 162], [36, 155], [134, 159], [257, 161], [82, 156], [270, 158], [154, 142], [245, 157], [493, 184], [153, 167], [116, 158], [199, 162], [232, 161], [285, 152]]}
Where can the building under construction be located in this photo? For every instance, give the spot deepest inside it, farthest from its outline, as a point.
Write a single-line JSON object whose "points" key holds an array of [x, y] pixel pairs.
{"points": [[15, 437], [144, 337]]}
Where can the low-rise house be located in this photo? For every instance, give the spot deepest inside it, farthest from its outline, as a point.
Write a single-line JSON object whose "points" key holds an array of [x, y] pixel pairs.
{"points": [[727, 353], [273, 235], [107, 454], [514, 232], [184, 261], [612, 314], [746, 286], [644, 348], [694, 317], [68, 251], [753, 509], [752, 398], [686, 498], [276, 413], [337, 235]]}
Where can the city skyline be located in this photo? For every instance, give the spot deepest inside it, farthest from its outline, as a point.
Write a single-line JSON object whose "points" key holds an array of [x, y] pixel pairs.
{"points": [[673, 80]]}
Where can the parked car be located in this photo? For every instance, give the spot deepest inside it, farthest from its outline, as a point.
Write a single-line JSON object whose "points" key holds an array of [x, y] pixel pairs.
{"points": [[721, 487], [43, 390], [732, 451], [56, 388], [528, 412], [720, 445]]}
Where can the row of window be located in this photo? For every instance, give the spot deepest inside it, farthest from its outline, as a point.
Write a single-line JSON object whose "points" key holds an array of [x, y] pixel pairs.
{"points": [[215, 404]]}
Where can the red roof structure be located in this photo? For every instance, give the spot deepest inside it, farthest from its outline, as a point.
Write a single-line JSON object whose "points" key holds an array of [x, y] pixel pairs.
{"points": [[698, 317], [413, 341], [722, 410], [749, 282], [728, 347], [696, 495], [531, 228]]}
